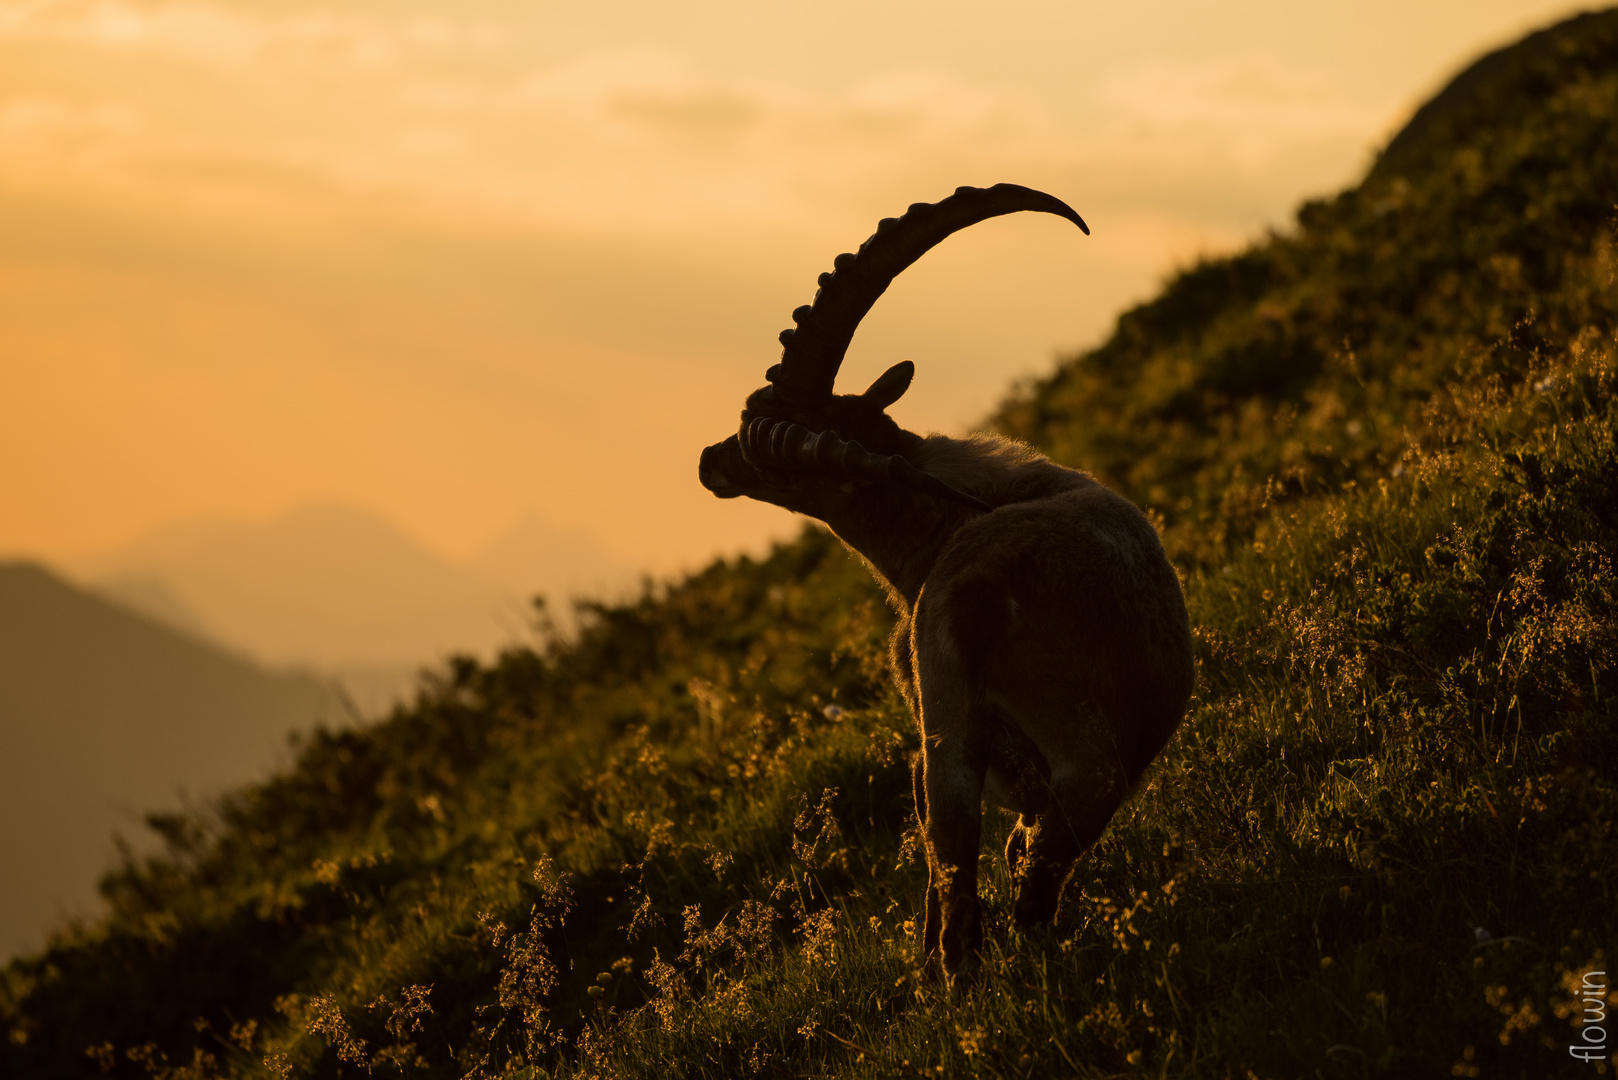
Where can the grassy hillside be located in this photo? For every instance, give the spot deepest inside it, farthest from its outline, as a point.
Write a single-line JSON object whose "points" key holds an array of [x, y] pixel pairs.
{"points": [[1384, 447], [1476, 253]]}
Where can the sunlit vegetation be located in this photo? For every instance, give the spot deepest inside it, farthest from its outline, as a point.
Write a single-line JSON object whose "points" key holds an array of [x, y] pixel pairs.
{"points": [[1383, 447]]}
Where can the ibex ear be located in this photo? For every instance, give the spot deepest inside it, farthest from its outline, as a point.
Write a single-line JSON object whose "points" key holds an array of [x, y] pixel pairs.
{"points": [[891, 385]]}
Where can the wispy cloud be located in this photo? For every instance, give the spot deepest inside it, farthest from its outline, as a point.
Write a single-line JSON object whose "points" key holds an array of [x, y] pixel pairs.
{"points": [[217, 35], [620, 222], [1245, 111], [440, 117]]}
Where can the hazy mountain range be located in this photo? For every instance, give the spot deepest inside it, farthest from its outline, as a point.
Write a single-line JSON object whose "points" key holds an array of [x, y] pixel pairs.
{"points": [[346, 593], [178, 666], [106, 715]]}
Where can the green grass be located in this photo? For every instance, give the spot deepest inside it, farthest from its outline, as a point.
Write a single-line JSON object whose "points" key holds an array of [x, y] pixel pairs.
{"points": [[1384, 450]]}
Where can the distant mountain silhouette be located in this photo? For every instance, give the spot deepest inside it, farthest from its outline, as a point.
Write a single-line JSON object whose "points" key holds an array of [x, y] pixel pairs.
{"points": [[345, 591], [534, 556], [326, 585], [105, 714], [154, 598]]}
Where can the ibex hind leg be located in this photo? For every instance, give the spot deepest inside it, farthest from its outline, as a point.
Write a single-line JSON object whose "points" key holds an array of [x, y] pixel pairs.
{"points": [[953, 779], [1082, 802], [934, 916], [956, 727]]}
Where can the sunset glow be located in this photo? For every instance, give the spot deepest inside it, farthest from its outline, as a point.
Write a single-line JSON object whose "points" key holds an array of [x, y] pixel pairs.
{"points": [[456, 265]]}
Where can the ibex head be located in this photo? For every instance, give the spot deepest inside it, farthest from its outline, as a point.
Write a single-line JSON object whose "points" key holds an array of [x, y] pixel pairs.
{"points": [[802, 446]]}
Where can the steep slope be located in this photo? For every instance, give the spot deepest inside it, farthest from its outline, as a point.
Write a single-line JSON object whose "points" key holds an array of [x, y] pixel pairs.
{"points": [[1479, 247], [681, 845], [104, 714]]}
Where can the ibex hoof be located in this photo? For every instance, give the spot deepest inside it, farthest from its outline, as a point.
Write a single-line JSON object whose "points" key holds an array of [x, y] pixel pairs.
{"points": [[964, 977], [1034, 906]]}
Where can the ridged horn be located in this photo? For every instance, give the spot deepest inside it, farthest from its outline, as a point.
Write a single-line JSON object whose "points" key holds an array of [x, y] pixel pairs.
{"points": [[780, 444], [812, 352]]}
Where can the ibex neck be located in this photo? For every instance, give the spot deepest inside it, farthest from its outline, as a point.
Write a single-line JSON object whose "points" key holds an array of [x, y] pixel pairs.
{"points": [[900, 536]]}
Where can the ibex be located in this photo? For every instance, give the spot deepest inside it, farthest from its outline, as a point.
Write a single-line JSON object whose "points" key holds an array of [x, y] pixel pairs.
{"points": [[1042, 644]]}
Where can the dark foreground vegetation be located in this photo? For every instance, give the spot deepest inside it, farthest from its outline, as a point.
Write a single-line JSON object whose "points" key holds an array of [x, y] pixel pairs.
{"points": [[1384, 451]]}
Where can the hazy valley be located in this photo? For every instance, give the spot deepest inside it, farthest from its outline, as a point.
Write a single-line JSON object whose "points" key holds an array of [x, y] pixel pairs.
{"points": [[177, 667]]}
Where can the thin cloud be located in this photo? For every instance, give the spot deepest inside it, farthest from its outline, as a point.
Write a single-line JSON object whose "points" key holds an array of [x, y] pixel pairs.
{"points": [[408, 118], [1245, 111], [605, 211]]}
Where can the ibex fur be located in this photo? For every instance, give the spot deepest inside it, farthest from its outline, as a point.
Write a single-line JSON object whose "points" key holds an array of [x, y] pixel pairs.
{"points": [[1043, 642]]}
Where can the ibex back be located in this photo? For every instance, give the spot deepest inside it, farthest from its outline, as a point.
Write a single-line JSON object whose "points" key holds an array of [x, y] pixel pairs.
{"points": [[1043, 642]]}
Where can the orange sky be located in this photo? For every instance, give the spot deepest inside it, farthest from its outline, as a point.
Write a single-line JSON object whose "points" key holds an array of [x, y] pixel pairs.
{"points": [[459, 263]]}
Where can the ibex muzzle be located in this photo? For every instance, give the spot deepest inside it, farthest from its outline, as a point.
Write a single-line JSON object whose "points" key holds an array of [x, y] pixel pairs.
{"points": [[1043, 642]]}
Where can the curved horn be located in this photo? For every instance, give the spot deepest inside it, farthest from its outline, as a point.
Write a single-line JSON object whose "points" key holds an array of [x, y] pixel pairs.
{"points": [[812, 352], [779, 443]]}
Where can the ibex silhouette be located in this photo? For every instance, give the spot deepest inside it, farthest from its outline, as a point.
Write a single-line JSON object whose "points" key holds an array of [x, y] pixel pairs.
{"points": [[1043, 642]]}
